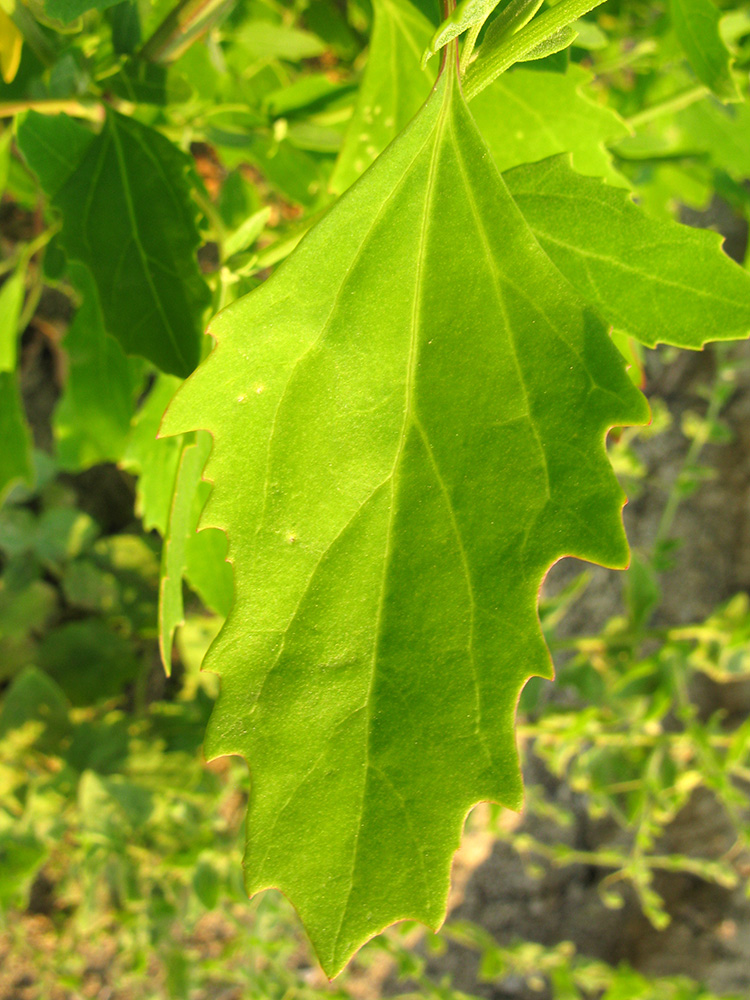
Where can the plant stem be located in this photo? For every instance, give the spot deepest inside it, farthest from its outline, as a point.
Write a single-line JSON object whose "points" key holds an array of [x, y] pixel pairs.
{"points": [[715, 402], [77, 109], [675, 103], [512, 49], [180, 27]]}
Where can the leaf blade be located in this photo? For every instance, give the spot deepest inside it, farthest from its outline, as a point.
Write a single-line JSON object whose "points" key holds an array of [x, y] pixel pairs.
{"points": [[656, 280], [417, 478]]}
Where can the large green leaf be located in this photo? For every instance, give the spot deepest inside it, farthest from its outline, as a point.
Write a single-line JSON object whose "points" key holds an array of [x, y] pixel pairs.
{"points": [[696, 24], [408, 421], [659, 281], [128, 217], [392, 89]]}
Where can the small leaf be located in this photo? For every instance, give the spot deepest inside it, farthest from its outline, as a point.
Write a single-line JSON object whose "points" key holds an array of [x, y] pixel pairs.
{"points": [[658, 281], [466, 14], [556, 42], [15, 452], [408, 421], [393, 88], [696, 24]]}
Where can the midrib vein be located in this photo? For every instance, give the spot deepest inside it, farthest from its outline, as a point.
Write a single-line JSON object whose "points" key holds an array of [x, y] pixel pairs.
{"points": [[408, 417], [495, 277]]}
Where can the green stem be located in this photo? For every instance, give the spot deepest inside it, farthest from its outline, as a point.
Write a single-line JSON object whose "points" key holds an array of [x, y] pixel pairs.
{"points": [[675, 103], [76, 109], [715, 402], [513, 48], [180, 27]]}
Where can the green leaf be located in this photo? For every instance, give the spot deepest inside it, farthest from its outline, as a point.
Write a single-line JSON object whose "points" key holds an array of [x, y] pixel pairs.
{"points": [[183, 520], [92, 418], [696, 24], [656, 280], [466, 14], [408, 421], [264, 40], [393, 88], [153, 460], [128, 217], [547, 113], [496, 55], [15, 453], [68, 10], [53, 146]]}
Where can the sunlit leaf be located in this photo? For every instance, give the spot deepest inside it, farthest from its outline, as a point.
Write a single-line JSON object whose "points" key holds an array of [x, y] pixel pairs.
{"points": [[408, 421], [659, 281]]}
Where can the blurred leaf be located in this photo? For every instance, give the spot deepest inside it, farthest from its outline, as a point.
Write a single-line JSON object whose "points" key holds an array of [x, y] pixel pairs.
{"points": [[64, 533], [11, 43], [15, 453], [68, 10], [264, 40], [88, 660], [696, 24], [92, 417], [53, 146], [35, 697]]}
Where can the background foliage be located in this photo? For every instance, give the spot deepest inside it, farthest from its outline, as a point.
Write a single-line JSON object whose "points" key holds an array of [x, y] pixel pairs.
{"points": [[134, 136]]}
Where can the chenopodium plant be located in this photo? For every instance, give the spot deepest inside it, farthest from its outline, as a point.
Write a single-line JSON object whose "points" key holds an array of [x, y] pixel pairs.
{"points": [[408, 423]]}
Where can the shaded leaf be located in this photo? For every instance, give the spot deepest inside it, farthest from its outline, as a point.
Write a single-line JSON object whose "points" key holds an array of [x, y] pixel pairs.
{"points": [[656, 280], [696, 24], [92, 418], [68, 10], [408, 421], [53, 146], [128, 217], [393, 88], [15, 453]]}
